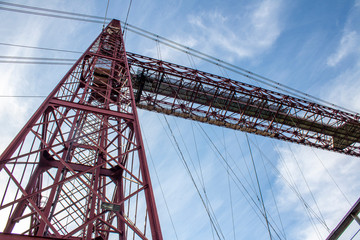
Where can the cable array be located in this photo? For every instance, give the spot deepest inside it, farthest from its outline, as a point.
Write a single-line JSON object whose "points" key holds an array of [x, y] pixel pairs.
{"points": [[46, 12], [210, 214]]}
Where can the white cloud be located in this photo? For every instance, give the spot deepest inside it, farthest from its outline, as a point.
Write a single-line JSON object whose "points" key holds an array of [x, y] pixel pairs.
{"points": [[343, 90], [266, 23], [348, 44], [26, 79], [30, 79], [15, 81], [329, 198], [244, 35]]}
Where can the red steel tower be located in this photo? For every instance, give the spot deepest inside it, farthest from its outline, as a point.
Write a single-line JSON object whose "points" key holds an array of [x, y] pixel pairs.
{"points": [[78, 170]]}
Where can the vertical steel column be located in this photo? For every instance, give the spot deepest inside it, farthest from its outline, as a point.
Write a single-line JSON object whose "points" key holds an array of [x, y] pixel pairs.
{"points": [[78, 168]]}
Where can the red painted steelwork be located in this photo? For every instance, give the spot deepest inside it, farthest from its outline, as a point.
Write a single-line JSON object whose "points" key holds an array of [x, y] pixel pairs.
{"points": [[24, 237], [82, 148], [184, 92]]}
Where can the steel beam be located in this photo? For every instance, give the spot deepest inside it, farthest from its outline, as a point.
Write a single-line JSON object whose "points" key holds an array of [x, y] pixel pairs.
{"points": [[346, 221], [85, 145], [4, 236], [181, 91]]}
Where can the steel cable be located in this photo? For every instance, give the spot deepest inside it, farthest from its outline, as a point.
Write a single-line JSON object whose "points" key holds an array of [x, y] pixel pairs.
{"points": [[181, 156], [259, 188], [236, 69]]}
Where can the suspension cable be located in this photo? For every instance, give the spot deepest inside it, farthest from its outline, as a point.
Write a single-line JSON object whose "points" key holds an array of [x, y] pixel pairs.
{"points": [[197, 175], [236, 69], [107, 7], [272, 191], [217, 231], [202, 181], [252, 185], [38, 58], [35, 62], [49, 10], [251, 201], [21, 96], [291, 184], [51, 15], [159, 182], [126, 19], [355, 234], [308, 187], [258, 184], [229, 186], [332, 178], [40, 48]]}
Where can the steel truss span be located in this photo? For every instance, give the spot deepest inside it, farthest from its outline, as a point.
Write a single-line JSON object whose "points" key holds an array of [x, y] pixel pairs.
{"points": [[188, 93], [77, 170]]}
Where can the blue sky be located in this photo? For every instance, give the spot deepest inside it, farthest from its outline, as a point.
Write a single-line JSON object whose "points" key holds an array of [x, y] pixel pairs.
{"points": [[308, 45]]}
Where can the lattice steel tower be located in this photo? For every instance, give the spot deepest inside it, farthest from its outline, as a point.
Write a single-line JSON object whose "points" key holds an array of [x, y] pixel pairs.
{"points": [[78, 170]]}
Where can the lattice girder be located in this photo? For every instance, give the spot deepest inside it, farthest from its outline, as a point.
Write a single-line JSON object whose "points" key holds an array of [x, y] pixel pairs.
{"points": [[78, 170], [188, 93]]}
